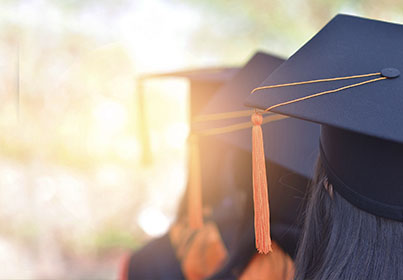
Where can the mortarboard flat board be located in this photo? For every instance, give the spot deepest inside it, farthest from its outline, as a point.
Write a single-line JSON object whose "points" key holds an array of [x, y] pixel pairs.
{"points": [[361, 117], [291, 147], [204, 82]]}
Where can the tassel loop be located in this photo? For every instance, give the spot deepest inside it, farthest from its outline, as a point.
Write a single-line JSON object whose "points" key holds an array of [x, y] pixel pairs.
{"points": [[260, 192], [257, 119]]}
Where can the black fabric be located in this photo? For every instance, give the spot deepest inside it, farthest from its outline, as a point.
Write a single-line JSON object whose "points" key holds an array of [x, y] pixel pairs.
{"points": [[362, 136], [287, 191], [241, 254], [227, 219], [365, 170], [155, 261]]}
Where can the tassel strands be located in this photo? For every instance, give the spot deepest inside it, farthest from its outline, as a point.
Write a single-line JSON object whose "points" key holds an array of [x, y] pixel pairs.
{"points": [[194, 195], [260, 192]]}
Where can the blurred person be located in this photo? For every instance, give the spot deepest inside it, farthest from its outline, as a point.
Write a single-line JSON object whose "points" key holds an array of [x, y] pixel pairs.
{"points": [[288, 174], [224, 247], [354, 219], [164, 252]]}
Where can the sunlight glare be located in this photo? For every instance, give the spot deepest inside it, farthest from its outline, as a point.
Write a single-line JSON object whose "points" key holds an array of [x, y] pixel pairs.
{"points": [[110, 116], [109, 175], [127, 148], [153, 222], [176, 134]]}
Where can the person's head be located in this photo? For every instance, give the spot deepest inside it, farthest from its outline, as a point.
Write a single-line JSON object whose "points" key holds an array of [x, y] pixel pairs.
{"points": [[341, 241], [354, 93]]}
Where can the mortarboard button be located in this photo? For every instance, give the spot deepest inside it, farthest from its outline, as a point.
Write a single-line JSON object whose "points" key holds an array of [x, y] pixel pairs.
{"points": [[390, 73]]}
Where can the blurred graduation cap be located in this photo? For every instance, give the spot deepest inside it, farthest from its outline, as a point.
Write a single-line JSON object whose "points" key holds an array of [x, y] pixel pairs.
{"points": [[203, 83], [347, 79], [291, 146]]}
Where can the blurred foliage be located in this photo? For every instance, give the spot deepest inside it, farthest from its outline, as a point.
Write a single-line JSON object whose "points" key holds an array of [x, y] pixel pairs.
{"points": [[81, 3], [74, 4], [111, 238], [276, 26]]}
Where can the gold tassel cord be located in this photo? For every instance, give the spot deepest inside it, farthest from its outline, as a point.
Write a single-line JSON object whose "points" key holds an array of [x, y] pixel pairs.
{"points": [[317, 81], [323, 93]]}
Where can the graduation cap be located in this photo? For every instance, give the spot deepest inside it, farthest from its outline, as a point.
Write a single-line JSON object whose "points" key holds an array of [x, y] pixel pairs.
{"points": [[291, 149], [347, 79], [203, 83]]}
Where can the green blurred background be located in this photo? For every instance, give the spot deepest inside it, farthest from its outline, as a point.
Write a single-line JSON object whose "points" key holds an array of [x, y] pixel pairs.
{"points": [[74, 194]]}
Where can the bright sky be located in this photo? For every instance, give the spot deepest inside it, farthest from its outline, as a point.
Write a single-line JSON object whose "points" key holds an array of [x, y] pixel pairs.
{"points": [[156, 33]]}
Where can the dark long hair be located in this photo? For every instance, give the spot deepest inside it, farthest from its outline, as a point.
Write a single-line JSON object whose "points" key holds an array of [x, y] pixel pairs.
{"points": [[341, 241]]}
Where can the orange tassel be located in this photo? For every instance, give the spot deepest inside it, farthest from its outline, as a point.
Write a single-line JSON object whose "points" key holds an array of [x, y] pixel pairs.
{"points": [[260, 193], [195, 205], [124, 267]]}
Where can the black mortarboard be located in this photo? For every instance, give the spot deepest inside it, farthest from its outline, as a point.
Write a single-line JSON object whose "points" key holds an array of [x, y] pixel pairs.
{"points": [[204, 82], [358, 104], [291, 146]]}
